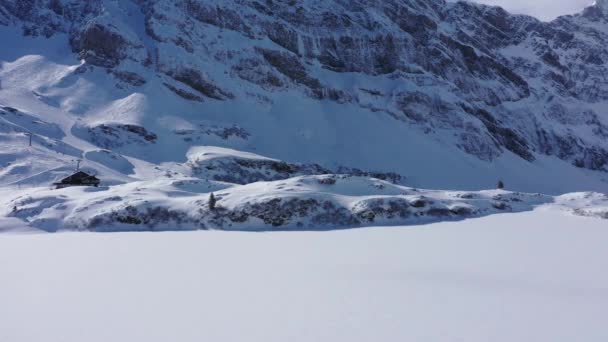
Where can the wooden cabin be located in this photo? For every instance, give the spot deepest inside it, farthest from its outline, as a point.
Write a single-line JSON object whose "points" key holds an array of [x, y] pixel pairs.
{"points": [[79, 178]]}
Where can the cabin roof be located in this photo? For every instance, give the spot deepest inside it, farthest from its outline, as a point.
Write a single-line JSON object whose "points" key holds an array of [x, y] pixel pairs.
{"points": [[78, 177]]}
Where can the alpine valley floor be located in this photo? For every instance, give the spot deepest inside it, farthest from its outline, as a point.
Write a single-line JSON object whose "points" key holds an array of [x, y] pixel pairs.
{"points": [[533, 276]]}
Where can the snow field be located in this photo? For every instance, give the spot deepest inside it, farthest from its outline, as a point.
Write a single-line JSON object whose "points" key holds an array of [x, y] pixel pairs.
{"points": [[534, 276]]}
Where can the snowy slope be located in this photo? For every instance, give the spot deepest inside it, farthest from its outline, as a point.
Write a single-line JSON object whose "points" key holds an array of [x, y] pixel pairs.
{"points": [[535, 276], [448, 95], [324, 114]]}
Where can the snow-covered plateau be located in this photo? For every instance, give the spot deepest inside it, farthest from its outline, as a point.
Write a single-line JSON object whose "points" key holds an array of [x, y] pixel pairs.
{"points": [[534, 276]]}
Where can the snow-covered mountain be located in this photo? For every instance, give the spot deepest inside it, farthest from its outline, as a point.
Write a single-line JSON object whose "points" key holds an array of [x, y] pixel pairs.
{"points": [[422, 93]]}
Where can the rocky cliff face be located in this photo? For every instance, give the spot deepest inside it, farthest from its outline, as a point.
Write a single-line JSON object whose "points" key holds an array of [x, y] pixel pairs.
{"points": [[467, 75]]}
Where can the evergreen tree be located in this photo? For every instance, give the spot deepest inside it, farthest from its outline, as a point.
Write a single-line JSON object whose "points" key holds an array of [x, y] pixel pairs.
{"points": [[212, 201], [500, 185]]}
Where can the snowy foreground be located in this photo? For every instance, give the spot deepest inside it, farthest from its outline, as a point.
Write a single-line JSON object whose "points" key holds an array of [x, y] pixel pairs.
{"points": [[532, 276]]}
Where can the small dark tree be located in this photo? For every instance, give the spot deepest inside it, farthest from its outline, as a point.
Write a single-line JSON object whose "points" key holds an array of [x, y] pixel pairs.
{"points": [[212, 201], [500, 185]]}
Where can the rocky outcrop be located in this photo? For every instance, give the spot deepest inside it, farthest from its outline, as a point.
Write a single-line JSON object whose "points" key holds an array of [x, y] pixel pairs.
{"points": [[195, 80], [239, 170], [110, 136], [290, 66], [99, 46]]}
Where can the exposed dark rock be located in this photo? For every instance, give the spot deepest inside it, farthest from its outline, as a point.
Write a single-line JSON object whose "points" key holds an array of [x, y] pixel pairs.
{"points": [[146, 219], [392, 177], [381, 209], [197, 81], [419, 202], [130, 78], [183, 93], [246, 171], [283, 36], [217, 16], [112, 136], [290, 66], [286, 213], [253, 70], [506, 137], [100, 46], [500, 205]]}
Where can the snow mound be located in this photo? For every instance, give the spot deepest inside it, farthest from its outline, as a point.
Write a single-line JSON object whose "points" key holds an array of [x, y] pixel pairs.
{"points": [[585, 204], [322, 202]]}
